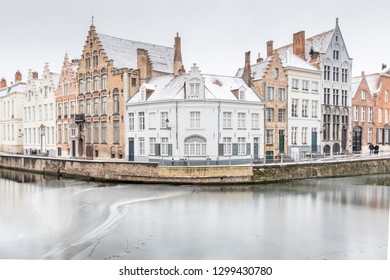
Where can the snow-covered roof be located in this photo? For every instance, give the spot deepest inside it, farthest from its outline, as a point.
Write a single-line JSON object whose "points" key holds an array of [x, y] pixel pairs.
{"points": [[355, 83], [18, 87], [14, 88], [257, 69], [289, 59], [373, 83], [124, 53], [319, 43], [216, 87]]}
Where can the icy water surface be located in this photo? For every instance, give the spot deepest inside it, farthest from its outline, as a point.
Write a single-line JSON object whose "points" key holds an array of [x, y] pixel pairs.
{"points": [[45, 218]]}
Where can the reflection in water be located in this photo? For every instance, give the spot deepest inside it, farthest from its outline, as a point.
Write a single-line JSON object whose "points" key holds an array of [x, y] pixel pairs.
{"points": [[42, 217]]}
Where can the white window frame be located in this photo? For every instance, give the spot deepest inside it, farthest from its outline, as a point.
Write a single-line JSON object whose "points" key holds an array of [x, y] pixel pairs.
{"points": [[241, 120]]}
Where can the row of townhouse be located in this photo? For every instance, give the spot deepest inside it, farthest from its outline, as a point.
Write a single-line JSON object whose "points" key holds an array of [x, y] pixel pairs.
{"points": [[129, 100], [370, 106]]}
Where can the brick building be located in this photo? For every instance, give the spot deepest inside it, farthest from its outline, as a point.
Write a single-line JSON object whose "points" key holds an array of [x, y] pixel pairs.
{"points": [[363, 121], [110, 71], [268, 78], [66, 109]]}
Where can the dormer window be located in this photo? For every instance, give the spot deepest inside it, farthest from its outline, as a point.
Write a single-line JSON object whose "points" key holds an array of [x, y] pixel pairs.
{"points": [[194, 88], [143, 94], [242, 94], [194, 84]]}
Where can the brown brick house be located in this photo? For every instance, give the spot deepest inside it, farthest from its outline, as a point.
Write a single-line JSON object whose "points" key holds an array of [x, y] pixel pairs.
{"points": [[268, 78], [110, 71]]}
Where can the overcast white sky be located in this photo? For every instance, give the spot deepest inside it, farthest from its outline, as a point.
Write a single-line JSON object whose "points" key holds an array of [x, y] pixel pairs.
{"points": [[215, 33]]}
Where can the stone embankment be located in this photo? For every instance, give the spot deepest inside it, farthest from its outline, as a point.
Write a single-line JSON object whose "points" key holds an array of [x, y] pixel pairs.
{"points": [[154, 173]]}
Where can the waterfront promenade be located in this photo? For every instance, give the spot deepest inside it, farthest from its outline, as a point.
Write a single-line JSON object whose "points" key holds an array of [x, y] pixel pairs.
{"points": [[121, 171]]}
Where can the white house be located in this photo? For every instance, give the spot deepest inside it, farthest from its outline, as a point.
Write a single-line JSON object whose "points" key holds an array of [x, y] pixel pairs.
{"points": [[304, 105], [195, 119], [328, 52], [11, 115], [39, 113]]}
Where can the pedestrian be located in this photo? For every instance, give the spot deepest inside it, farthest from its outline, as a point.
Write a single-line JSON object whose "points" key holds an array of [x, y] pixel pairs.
{"points": [[376, 148], [371, 147]]}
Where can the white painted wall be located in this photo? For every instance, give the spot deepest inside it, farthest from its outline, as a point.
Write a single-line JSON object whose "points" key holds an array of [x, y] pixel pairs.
{"points": [[211, 126]]}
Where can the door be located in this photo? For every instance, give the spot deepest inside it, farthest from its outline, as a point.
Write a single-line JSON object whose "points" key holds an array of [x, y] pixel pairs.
{"points": [[357, 140], [131, 149], [281, 141], [256, 148], [73, 148], [344, 139], [269, 156], [314, 141]]}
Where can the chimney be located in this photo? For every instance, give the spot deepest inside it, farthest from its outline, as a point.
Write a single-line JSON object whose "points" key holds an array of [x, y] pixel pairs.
{"points": [[246, 75], [178, 68], [299, 44], [363, 73], [259, 59], [3, 83], [18, 76], [35, 75], [384, 66], [144, 65], [270, 48]]}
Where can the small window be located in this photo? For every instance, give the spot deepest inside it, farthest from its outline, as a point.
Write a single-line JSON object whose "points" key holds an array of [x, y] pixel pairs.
{"points": [[276, 73], [242, 95], [295, 84]]}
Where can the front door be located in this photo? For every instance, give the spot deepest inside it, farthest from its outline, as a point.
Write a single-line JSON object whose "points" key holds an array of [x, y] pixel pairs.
{"points": [[281, 141], [269, 156], [314, 141], [357, 140], [73, 148], [256, 148], [131, 149]]}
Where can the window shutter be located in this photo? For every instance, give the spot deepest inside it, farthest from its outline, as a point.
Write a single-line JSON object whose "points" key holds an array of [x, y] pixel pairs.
{"points": [[235, 149], [169, 150], [157, 147], [248, 149], [220, 149]]}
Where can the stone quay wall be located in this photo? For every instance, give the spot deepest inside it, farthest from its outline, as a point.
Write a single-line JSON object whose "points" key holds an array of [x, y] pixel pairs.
{"points": [[153, 173]]}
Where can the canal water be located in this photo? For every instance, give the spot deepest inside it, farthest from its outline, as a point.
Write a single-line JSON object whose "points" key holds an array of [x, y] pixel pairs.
{"points": [[42, 217]]}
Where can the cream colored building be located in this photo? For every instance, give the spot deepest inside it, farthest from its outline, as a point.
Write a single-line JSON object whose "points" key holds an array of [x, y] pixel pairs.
{"points": [[39, 113], [11, 115]]}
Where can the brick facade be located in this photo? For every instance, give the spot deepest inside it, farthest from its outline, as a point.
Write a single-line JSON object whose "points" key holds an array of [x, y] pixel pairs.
{"points": [[66, 108], [274, 77], [363, 119]]}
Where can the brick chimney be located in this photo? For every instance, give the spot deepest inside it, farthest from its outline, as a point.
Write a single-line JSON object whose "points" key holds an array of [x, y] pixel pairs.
{"points": [[178, 68], [144, 65], [35, 75], [246, 75], [270, 48], [18, 76], [3, 83], [299, 44], [259, 59]]}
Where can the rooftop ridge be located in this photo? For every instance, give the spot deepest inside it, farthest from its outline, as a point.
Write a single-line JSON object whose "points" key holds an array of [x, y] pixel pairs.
{"points": [[158, 45]]}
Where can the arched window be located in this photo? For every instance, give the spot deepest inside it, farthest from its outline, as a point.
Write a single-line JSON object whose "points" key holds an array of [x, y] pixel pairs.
{"points": [[195, 146]]}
